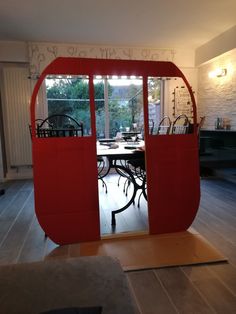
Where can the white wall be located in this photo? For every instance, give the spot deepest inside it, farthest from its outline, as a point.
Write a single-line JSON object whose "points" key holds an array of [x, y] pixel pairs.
{"points": [[13, 51], [216, 47], [41, 54], [217, 96]]}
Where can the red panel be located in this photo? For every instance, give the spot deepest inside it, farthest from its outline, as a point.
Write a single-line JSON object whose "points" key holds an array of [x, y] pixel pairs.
{"points": [[66, 193], [173, 182], [91, 66], [72, 227]]}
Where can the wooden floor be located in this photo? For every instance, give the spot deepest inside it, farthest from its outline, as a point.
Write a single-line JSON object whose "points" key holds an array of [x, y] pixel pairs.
{"points": [[132, 219], [207, 288]]}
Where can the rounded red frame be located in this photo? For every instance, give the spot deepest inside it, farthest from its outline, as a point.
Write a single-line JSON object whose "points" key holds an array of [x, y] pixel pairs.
{"points": [[65, 169]]}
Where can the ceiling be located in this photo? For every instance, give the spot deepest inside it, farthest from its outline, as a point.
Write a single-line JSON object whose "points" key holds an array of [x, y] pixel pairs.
{"points": [[184, 24]]}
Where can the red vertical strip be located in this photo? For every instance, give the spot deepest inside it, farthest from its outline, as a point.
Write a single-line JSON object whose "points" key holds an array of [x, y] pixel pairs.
{"points": [[65, 181], [145, 106], [92, 106]]}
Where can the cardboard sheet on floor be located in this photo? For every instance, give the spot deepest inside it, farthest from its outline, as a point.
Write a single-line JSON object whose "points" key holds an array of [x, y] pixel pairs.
{"points": [[153, 251]]}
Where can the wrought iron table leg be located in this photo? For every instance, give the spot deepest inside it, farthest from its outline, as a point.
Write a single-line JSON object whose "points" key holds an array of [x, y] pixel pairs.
{"points": [[128, 174]]}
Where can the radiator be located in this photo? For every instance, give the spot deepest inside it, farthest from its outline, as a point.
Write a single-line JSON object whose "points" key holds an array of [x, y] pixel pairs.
{"points": [[17, 92]]}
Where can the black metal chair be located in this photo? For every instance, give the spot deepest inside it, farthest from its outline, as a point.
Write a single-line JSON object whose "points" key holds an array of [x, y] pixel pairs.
{"points": [[180, 125], [59, 125], [138, 169], [137, 166], [151, 125], [164, 126], [101, 164], [37, 124], [151, 128]]}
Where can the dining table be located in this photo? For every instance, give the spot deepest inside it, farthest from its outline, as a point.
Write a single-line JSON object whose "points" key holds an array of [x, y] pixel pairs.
{"points": [[121, 156]]}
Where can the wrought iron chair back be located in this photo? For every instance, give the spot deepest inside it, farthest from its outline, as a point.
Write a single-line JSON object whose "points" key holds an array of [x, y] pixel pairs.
{"points": [[164, 126], [59, 125], [180, 125]]}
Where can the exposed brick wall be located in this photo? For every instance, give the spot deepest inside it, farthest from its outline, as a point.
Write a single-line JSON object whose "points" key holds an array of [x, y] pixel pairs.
{"points": [[217, 96]]}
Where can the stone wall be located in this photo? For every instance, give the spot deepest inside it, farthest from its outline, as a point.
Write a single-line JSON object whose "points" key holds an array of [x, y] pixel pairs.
{"points": [[217, 95]]}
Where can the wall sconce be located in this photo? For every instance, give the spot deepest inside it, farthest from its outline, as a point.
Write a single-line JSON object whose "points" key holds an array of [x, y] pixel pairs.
{"points": [[219, 72]]}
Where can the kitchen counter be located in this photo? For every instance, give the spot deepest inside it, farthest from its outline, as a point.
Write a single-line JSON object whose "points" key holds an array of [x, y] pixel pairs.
{"points": [[218, 148]]}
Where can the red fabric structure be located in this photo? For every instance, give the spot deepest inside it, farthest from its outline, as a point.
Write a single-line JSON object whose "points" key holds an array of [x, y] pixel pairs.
{"points": [[65, 169]]}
